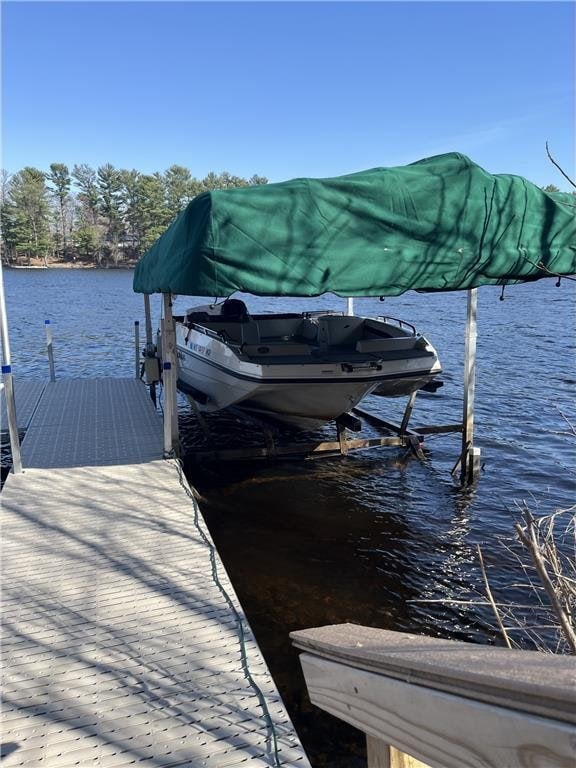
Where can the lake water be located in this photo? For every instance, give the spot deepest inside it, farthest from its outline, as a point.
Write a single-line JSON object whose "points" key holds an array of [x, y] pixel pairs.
{"points": [[358, 539]]}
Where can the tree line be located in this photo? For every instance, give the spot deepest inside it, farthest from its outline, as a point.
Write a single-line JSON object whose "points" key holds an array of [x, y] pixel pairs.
{"points": [[104, 216]]}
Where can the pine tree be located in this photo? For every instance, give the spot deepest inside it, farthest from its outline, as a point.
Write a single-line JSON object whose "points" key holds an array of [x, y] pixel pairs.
{"points": [[26, 215], [88, 196], [59, 178], [109, 185], [180, 188]]}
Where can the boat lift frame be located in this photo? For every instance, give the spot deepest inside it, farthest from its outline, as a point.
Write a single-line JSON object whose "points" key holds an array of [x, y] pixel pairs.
{"points": [[396, 435], [311, 450]]}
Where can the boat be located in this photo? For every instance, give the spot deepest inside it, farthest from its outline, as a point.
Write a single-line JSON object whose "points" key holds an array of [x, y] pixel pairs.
{"points": [[301, 368]]}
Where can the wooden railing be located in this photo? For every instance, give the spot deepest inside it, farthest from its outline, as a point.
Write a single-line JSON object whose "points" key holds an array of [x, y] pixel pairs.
{"points": [[443, 703]]}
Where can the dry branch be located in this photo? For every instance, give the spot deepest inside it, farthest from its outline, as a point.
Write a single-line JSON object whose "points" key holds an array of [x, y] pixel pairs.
{"points": [[492, 601], [558, 166], [548, 564]]}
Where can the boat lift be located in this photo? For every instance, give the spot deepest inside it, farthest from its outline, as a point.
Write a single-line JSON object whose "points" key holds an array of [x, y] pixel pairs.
{"points": [[441, 224], [394, 435]]}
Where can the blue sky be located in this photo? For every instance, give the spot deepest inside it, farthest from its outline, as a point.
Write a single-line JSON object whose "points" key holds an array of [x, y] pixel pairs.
{"points": [[288, 89]]}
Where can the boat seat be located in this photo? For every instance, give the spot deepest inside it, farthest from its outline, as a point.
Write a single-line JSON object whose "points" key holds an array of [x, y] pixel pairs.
{"points": [[307, 331], [249, 333], [234, 310], [382, 344], [339, 331]]}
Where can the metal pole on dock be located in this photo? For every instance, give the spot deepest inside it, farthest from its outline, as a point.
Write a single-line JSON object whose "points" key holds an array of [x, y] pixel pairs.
{"points": [[151, 375], [8, 383], [349, 306], [470, 456], [148, 322], [165, 375], [137, 348], [171, 437], [50, 349]]}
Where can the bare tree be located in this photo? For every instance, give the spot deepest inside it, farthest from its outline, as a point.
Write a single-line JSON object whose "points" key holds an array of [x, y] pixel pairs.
{"points": [[562, 171]]}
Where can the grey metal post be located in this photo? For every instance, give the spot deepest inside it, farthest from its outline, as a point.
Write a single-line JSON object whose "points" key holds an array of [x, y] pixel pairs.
{"points": [[408, 413], [349, 306], [174, 379], [50, 349], [470, 456], [166, 366], [170, 377], [137, 348], [8, 383], [148, 321]]}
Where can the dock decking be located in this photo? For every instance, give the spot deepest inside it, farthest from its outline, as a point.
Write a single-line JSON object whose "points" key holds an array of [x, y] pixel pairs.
{"points": [[27, 394], [123, 641]]}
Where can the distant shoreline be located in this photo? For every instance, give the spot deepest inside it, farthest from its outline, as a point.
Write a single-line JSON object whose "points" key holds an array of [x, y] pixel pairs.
{"points": [[69, 265]]}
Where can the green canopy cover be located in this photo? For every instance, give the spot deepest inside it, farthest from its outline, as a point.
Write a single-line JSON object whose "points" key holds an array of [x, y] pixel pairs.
{"points": [[440, 224]]}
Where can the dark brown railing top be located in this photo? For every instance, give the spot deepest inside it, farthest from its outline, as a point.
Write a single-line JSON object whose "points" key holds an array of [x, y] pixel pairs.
{"points": [[527, 681]]}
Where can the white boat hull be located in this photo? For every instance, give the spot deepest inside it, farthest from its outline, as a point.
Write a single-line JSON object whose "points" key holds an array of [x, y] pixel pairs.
{"points": [[301, 392], [320, 397]]}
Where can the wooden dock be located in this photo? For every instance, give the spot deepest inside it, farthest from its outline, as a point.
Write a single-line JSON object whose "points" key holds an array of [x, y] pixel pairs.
{"points": [[123, 640]]}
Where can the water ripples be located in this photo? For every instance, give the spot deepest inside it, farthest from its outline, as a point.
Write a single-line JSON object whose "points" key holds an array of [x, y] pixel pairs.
{"points": [[367, 537]]}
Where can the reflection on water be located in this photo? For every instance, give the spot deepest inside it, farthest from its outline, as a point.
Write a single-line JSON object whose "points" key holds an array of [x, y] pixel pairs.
{"points": [[364, 538], [350, 540]]}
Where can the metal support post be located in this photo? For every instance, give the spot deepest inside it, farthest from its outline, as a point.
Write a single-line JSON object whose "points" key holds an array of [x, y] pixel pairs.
{"points": [[50, 349], [408, 413], [137, 348], [168, 407], [12, 421], [150, 350], [170, 378], [148, 321], [165, 367], [349, 306], [469, 456], [9, 384], [342, 438]]}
